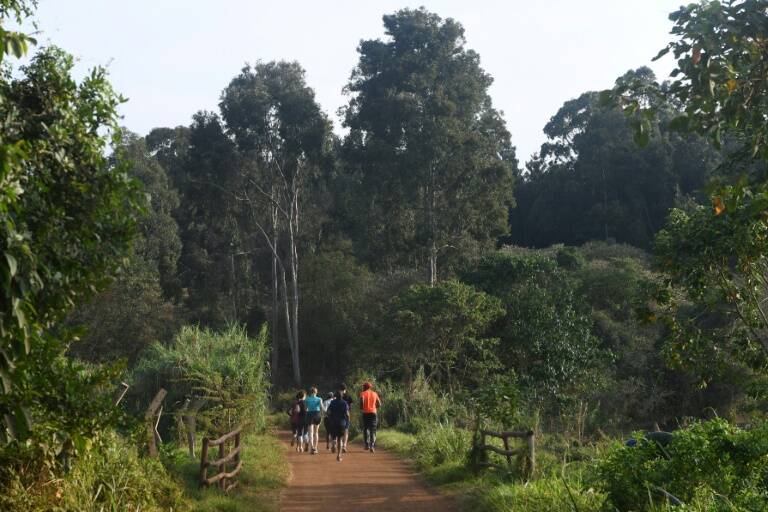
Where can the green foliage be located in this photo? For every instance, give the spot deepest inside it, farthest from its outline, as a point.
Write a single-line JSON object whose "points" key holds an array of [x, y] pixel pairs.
{"points": [[719, 262], [429, 160], [551, 494], [70, 405], [415, 404], [264, 473], [227, 370], [435, 445], [442, 329], [720, 76], [55, 251], [591, 182], [710, 462], [112, 478], [136, 310], [545, 334]]}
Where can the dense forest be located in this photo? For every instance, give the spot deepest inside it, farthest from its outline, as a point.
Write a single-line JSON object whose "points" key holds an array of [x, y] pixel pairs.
{"points": [[614, 281]]}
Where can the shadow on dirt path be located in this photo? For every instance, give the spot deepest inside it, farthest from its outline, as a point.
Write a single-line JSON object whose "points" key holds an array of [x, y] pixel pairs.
{"points": [[362, 482]]}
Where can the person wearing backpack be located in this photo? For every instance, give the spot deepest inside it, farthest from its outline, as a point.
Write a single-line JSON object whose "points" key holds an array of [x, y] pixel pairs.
{"points": [[338, 422], [325, 404], [297, 412]]}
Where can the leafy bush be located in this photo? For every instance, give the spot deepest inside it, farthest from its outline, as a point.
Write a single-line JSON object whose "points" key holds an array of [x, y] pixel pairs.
{"points": [[711, 461], [111, 477], [227, 370]]}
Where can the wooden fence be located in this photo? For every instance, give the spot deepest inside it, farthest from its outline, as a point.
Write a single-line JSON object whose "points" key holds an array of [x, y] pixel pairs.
{"points": [[224, 479], [528, 452]]}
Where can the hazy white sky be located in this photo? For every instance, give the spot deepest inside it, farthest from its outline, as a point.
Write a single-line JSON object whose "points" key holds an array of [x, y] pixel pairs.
{"points": [[173, 57]]}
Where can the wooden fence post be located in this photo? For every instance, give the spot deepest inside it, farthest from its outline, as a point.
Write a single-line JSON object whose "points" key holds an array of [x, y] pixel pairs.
{"points": [[204, 463], [506, 448], [223, 465], [149, 418], [484, 456], [531, 441]]}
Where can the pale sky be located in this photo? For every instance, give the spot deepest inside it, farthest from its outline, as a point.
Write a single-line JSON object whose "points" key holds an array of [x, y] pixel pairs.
{"points": [[172, 58]]}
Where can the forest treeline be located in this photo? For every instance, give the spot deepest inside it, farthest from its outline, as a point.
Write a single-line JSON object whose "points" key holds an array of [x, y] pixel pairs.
{"points": [[399, 247], [614, 281]]}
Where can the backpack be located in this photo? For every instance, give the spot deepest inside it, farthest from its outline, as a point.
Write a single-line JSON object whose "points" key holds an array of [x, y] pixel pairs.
{"points": [[294, 412]]}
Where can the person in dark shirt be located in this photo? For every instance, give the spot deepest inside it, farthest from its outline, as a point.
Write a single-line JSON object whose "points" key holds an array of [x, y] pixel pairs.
{"points": [[297, 420], [349, 400], [302, 436], [338, 421]]}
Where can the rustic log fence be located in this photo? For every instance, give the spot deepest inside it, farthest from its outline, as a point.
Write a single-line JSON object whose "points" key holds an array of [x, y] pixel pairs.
{"points": [[224, 479], [528, 452], [152, 420]]}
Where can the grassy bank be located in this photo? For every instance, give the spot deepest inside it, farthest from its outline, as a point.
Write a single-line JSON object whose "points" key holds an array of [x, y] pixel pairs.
{"points": [[710, 466], [264, 473], [441, 455]]}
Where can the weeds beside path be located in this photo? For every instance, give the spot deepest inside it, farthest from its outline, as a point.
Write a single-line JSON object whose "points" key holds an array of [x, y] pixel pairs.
{"points": [[361, 482], [264, 473]]}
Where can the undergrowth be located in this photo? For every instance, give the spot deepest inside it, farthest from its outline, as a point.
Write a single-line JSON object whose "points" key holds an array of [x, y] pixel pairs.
{"points": [[264, 472]]}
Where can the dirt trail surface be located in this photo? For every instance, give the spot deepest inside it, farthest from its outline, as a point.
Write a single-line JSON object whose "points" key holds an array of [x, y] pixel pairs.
{"points": [[362, 482]]}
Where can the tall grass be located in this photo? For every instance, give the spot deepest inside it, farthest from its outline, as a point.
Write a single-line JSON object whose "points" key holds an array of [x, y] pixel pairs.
{"points": [[111, 477], [227, 370], [264, 473]]}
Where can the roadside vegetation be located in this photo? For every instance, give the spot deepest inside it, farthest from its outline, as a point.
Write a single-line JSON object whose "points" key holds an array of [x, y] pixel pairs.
{"points": [[612, 285]]}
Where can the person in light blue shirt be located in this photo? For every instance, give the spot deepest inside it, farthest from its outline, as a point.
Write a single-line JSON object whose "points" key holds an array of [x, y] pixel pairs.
{"points": [[314, 406]]}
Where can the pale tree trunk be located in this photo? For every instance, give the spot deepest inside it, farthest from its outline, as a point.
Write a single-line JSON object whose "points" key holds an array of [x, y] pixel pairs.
{"points": [[293, 228], [275, 294], [432, 274], [431, 227]]}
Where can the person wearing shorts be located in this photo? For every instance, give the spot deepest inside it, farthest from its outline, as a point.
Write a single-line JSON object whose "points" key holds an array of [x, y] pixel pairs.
{"points": [[345, 396], [314, 412], [296, 412], [369, 404], [338, 421], [328, 399], [301, 423]]}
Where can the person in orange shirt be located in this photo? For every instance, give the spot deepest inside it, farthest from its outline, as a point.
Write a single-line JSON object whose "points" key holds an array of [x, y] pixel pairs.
{"points": [[369, 404]]}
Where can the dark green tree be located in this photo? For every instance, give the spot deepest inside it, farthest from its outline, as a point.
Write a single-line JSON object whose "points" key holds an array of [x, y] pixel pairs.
{"points": [[430, 157], [590, 181], [716, 253], [68, 216], [137, 309], [443, 329], [283, 138], [546, 332]]}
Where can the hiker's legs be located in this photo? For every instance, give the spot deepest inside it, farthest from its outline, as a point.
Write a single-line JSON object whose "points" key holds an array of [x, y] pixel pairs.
{"points": [[369, 429], [374, 424], [337, 440]]}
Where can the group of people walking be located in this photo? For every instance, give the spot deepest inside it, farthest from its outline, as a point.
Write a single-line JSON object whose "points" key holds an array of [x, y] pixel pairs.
{"points": [[308, 411]]}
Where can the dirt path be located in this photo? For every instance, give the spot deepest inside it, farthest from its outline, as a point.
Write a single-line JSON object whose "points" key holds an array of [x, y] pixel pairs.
{"points": [[361, 482]]}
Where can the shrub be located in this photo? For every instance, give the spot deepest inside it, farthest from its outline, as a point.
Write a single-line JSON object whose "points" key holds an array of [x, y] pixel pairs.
{"points": [[442, 443], [227, 370], [708, 460], [110, 477]]}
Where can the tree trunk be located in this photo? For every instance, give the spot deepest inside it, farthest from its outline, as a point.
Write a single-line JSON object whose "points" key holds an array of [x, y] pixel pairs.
{"points": [[432, 275], [275, 301], [293, 227]]}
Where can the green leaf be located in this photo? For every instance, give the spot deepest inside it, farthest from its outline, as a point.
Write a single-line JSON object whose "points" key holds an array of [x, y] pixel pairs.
{"points": [[12, 264]]}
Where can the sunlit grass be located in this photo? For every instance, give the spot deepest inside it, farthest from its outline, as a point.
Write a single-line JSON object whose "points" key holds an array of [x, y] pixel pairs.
{"points": [[265, 471]]}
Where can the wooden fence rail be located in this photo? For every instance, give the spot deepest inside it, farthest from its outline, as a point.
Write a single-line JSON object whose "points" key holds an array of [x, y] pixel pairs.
{"points": [[528, 452], [224, 479]]}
